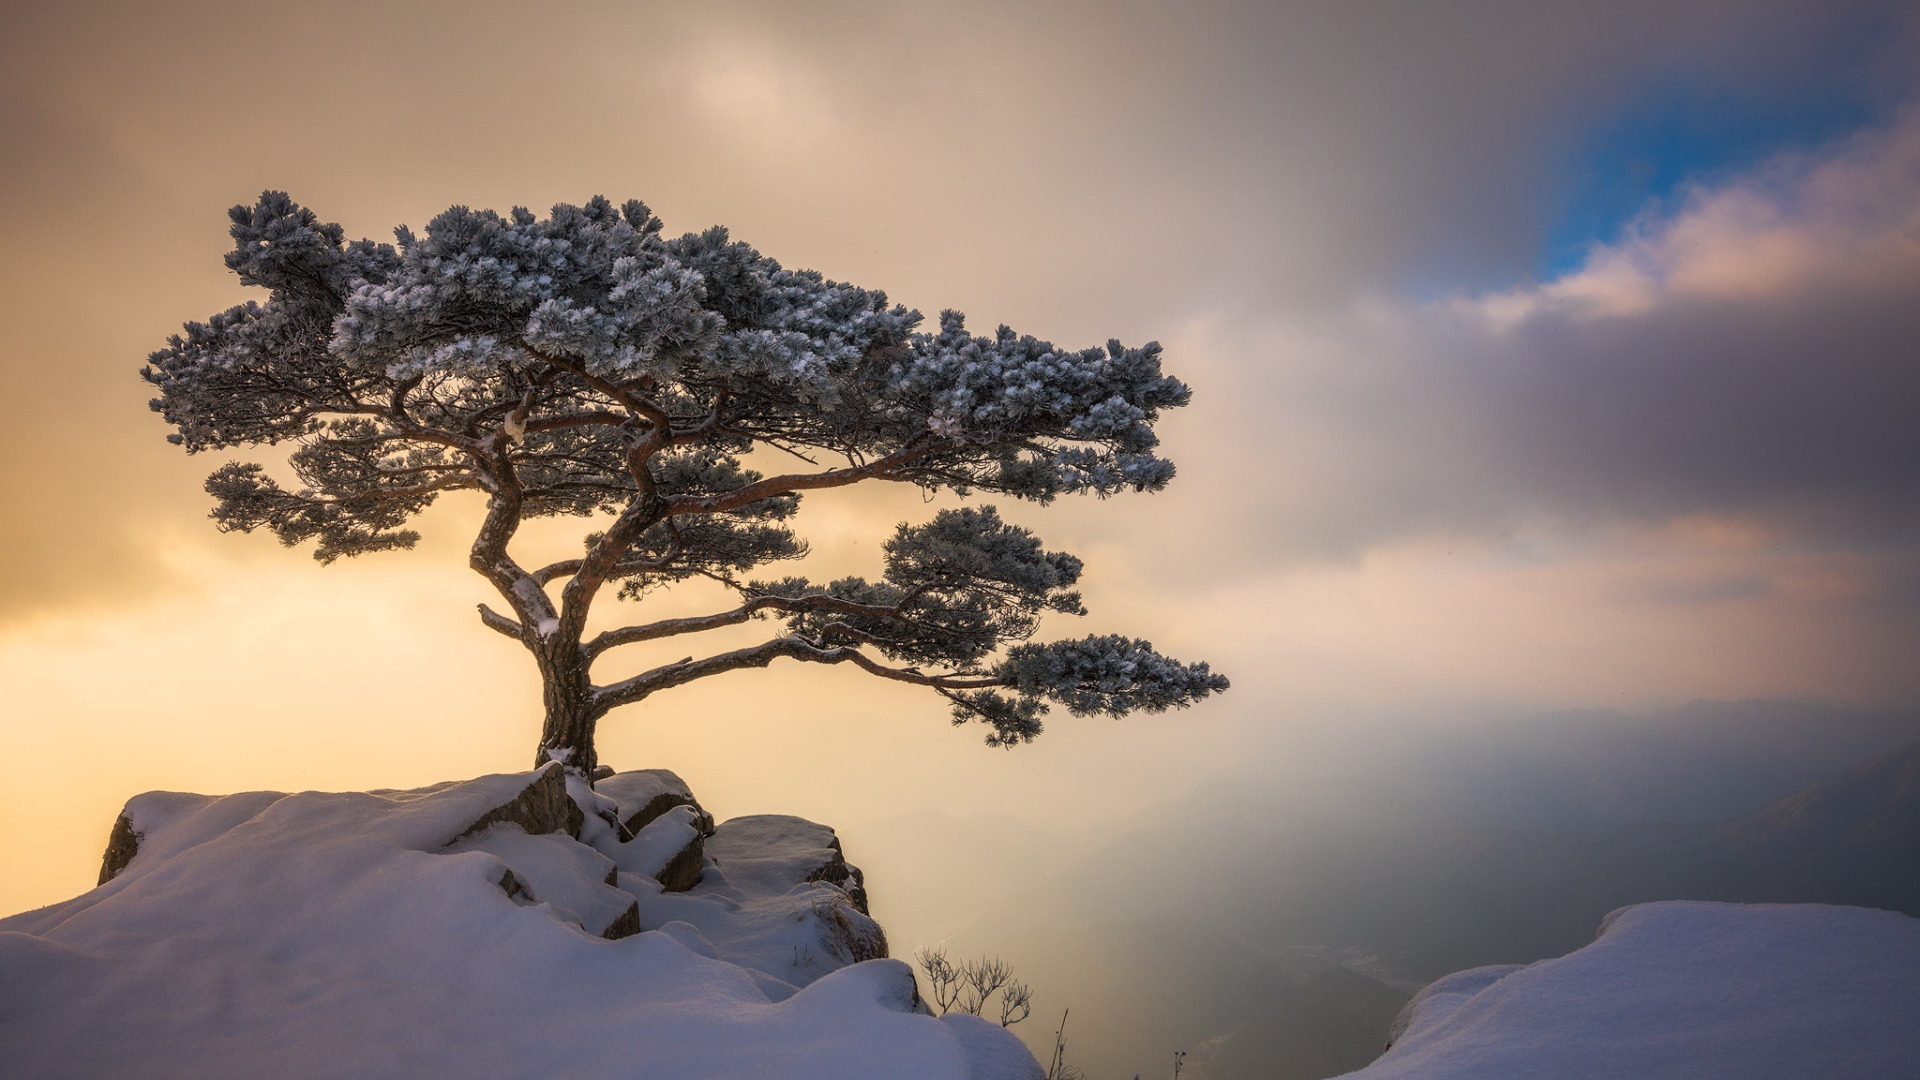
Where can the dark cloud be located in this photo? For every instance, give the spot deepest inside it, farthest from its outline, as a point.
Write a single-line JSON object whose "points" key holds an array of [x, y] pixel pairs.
{"points": [[1798, 408], [1753, 356]]}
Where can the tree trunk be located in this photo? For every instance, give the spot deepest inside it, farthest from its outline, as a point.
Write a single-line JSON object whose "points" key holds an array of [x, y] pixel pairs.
{"points": [[571, 716]]}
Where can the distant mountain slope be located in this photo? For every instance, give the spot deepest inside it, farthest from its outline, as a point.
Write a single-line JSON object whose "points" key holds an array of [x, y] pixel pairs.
{"points": [[1849, 839]]}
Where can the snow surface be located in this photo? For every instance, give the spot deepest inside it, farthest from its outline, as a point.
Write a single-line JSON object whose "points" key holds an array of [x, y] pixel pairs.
{"points": [[1682, 990], [635, 788], [754, 905], [557, 870], [328, 935]]}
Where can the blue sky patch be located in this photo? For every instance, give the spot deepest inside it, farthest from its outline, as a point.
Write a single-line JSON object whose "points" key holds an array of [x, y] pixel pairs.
{"points": [[1647, 155]]}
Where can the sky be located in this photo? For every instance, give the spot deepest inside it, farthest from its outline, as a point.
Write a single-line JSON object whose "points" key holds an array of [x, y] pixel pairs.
{"points": [[1544, 355]]}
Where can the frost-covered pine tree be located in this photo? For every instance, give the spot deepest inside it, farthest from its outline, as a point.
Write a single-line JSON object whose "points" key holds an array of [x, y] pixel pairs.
{"points": [[583, 364]]}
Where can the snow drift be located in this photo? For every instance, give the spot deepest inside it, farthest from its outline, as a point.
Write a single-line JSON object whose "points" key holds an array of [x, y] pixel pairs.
{"points": [[1680, 990], [487, 928]]}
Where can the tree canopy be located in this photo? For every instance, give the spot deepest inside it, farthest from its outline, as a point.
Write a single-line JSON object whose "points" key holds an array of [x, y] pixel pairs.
{"points": [[584, 364]]}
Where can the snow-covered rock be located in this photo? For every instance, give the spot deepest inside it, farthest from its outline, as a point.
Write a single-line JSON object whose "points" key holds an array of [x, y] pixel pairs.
{"points": [[460, 930], [670, 849], [775, 851], [1680, 990], [768, 901], [577, 882], [645, 794], [660, 828]]}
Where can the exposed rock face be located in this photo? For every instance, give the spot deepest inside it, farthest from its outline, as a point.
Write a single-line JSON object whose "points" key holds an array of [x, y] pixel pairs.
{"points": [[645, 794], [122, 845], [511, 886], [683, 871], [543, 807], [627, 925], [837, 871]]}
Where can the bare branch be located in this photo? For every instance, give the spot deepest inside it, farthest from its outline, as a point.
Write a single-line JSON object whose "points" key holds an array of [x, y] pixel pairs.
{"points": [[714, 423], [630, 635], [1016, 1003], [639, 686], [909, 675], [602, 559], [489, 554], [394, 413], [397, 406], [653, 631], [493, 620], [983, 977], [943, 978], [570, 567]]}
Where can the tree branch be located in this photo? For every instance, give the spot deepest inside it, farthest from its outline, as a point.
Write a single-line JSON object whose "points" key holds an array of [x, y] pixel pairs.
{"points": [[489, 553], [579, 419], [397, 407], [641, 407], [445, 483], [682, 672], [493, 620], [782, 485], [603, 559], [631, 635], [568, 567], [394, 414]]}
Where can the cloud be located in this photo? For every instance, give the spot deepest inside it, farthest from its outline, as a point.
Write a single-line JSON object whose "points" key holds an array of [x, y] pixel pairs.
{"points": [[1851, 214], [1750, 355]]}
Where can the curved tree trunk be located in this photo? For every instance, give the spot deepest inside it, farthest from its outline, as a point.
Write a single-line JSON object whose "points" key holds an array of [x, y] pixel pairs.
{"points": [[571, 715]]}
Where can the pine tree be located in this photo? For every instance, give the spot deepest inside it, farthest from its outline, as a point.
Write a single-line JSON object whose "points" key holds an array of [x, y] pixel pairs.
{"points": [[582, 364]]}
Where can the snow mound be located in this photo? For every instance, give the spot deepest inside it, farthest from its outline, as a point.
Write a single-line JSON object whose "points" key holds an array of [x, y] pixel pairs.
{"points": [[1680, 990], [451, 931], [768, 900]]}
